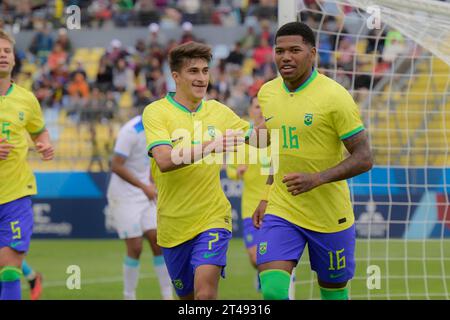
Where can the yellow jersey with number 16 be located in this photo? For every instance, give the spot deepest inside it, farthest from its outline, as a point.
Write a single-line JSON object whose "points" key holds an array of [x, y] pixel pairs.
{"points": [[311, 123]]}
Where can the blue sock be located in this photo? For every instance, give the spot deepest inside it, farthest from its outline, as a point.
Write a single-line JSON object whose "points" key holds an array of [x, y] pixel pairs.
{"points": [[10, 283], [26, 269]]}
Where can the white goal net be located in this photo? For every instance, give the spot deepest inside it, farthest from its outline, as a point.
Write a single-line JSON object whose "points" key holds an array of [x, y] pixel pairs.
{"points": [[393, 56]]}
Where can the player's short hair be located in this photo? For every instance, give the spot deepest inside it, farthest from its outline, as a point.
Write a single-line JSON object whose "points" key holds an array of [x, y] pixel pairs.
{"points": [[297, 29], [7, 37], [187, 51]]}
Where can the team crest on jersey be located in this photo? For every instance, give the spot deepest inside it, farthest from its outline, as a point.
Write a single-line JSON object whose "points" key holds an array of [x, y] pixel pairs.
{"points": [[212, 131], [178, 284], [308, 119], [21, 116], [262, 248]]}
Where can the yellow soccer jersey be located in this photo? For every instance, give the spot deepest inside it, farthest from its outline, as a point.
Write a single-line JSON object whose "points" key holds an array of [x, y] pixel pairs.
{"points": [[254, 179], [310, 122], [190, 199], [20, 113]]}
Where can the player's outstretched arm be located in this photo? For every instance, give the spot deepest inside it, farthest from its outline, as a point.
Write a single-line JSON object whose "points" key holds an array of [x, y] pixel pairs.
{"points": [[359, 161], [259, 137], [168, 158], [43, 145]]}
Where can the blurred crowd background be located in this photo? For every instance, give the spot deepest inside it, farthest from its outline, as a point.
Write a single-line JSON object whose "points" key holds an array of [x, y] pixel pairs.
{"points": [[95, 89]]}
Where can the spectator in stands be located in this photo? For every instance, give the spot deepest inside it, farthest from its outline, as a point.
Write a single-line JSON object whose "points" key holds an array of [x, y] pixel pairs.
{"points": [[91, 111], [157, 83], [110, 107], [249, 40], [123, 13], [238, 99], [42, 43], [142, 98], [147, 12], [346, 53], [235, 56], [56, 57], [155, 38], [116, 51], [393, 49], [78, 90], [64, 41], [375, 41], [190, 9], [262, 52], [187, 35], [79, 67], [105, 73], [100, 12], [123, 78]]}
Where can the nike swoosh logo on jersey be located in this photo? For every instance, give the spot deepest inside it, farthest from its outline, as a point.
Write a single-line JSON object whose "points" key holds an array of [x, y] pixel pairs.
{"points": [[207, 255], [15, 244], [177, 139], [267, 119]]}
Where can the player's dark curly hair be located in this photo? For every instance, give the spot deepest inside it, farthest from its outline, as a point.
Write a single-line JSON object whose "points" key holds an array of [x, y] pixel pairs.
{"points": [[297, 29], [187, 51]]}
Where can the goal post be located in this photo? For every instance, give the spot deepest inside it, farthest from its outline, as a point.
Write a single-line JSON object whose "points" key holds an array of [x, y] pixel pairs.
{"points": [[393, 56]]}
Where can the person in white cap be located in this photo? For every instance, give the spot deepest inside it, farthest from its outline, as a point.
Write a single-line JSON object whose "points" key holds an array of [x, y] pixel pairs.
{"points": [[156, 38], [187, 35]]}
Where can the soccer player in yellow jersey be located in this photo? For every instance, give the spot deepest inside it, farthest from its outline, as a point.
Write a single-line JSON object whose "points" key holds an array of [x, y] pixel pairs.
{"points": [[254, 176], [186, 137], [309, 200], [20, 113]]}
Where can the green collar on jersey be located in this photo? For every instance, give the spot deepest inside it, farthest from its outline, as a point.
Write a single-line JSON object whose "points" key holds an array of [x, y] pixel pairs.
{"points": [[178, 105], [304, 84], [10, 89]]}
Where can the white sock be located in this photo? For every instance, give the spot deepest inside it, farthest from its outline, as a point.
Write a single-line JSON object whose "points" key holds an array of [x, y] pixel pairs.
{"points": [[165, 283], [292, 286], [130, 278]]}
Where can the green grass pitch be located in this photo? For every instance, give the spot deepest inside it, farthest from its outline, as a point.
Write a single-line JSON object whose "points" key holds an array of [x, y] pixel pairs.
{"points": [[100, 262]]}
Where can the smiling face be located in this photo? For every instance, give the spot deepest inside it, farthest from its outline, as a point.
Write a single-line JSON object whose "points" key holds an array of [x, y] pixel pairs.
{"points": [[294, 58], [192, 79], [7, 61]]}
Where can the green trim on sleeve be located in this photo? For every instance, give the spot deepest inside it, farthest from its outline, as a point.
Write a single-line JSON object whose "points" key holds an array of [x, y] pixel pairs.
{"points": [[38, 132], [157, 143], [351, 133], [249, 131]]}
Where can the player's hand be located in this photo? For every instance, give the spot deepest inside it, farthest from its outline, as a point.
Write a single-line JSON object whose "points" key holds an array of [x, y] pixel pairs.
{"points": [[258, 215], [150, 191], [5, 149], [229, 141], [46, 150], [241, 169], [298, 183]]}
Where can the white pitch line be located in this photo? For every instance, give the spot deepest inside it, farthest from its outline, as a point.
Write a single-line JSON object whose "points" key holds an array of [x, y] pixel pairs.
{"points": [[62, 283]]}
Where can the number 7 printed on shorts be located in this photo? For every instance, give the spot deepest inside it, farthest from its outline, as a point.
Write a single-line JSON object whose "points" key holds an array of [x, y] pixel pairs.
{"points": [[216, 238]]}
